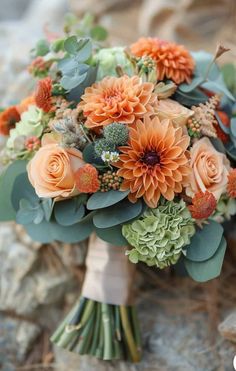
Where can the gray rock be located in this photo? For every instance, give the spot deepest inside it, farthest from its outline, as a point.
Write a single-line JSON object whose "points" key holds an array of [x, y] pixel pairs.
{"points": [[227, 328], [16, 337]]}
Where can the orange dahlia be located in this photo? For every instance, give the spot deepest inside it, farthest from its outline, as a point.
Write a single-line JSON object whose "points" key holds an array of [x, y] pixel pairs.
{"points": [[43, 94], [203, 205], [231, 186], [173, 61], [155, 161], [86, 179], [25, 103], [8, 120], [122, 99]]}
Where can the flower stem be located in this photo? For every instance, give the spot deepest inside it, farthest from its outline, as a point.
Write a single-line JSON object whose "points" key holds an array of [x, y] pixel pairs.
{"points": [[134, 353]]}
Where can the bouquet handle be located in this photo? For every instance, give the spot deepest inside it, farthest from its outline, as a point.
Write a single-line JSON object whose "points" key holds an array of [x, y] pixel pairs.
{"points": [[103, 323]]}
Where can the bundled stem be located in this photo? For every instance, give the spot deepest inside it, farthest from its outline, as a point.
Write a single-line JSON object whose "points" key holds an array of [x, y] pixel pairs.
{"points": [[103, 330]]}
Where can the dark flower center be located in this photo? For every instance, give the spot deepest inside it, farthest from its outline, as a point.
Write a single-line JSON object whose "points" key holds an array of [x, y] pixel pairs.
{"points": [[151, 158]]}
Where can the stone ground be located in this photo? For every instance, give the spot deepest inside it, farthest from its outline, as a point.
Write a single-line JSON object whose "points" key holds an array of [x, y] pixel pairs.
{"points": [[37, 285]]}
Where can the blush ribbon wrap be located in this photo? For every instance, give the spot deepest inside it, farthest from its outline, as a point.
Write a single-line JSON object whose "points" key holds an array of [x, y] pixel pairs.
{"points": [[109, 275]]}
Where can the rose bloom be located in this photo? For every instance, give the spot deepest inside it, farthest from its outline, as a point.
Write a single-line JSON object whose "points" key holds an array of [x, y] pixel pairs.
{"points": [[172, 110], [52, 171], [210, 169]]}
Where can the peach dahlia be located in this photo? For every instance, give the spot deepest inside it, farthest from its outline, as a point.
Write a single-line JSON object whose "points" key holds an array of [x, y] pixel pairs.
{"points": [[155, 161], [123, 99], [173, 61]]}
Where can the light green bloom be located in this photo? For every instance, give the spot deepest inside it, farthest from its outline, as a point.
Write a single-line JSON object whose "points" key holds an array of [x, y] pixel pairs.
{"points": [[109, 58], [159, 236], [32, 124], [225, 209]]}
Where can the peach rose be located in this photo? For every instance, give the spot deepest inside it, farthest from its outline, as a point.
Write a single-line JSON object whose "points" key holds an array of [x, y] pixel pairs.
{"points": [[210, 169], [51, 171], [172, 110]]}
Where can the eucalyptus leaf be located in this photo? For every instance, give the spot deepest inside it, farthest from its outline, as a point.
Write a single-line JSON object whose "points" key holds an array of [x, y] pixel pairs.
{"points": [[205, 242], [69, 212], [112, 235], [222, 126], [196, 81], [100, 200], [70, 82], [124, 211], [218, 145], [231, 150], [85, 52], [218, 86], [47, 206], [22, 189], [7, 179], [76, 93], [208, 269], [71, 45], [89, 153], [233, 126], [192, 98], [42, 48]]}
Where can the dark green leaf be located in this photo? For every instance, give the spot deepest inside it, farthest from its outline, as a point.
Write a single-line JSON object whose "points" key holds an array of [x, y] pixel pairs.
{"points": [[217, 143], [69, 212], [119, 214], [205, 242], [89, 154], [189, 99], [112, 235], [100, 200], [208, 269], [7, 179]]}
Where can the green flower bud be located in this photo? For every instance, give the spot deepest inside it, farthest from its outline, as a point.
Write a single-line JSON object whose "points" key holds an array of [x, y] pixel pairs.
{"points": [[102, 145], [109, 58], [116, 133], [159, 236]]}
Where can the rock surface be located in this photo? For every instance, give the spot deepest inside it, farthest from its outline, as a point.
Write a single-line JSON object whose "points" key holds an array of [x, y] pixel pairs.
{"points": [[227, 328]]}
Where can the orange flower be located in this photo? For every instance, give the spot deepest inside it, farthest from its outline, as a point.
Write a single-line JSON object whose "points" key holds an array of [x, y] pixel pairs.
{"points": [[25, 103], [87, 179], [231, 186], [43, 94], [155, 161], [8, 120], [203, 205], [173, 61], [122, 99]]}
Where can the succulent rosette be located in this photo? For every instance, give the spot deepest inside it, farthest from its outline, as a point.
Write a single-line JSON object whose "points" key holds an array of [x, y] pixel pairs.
{"points": [[133, 148]]}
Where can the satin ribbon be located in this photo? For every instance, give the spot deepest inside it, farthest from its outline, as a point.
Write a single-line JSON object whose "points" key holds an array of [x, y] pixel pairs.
{"points": [[109, 276]]}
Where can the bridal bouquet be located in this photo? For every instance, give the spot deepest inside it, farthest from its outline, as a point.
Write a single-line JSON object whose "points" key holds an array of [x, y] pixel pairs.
{"points": [[131, 147]]}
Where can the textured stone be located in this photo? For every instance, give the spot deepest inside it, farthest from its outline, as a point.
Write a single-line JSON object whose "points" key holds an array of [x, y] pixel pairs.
{"points": [[227, 328]]}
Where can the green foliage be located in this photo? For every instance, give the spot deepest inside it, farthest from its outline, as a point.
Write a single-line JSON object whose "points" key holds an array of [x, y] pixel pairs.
{"points": [[101, 200], [69, 212], [124, 211], [206, 270], [229, 75], [41, 48], [205, 242], [116, 133], [192, 98], [112, 235], [74, 66], [207, 75], [98, 33], [159, 235], [7, 179]]}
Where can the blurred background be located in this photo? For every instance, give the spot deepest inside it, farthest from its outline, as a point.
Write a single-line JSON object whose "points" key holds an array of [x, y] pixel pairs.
{"points": [[186, 326]]}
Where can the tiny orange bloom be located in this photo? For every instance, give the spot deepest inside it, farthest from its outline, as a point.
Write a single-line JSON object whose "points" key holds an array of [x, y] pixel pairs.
{"points": [[43, 94], [8, 120], [203, 205], [231, 186], [173, 60], [86, 179]]}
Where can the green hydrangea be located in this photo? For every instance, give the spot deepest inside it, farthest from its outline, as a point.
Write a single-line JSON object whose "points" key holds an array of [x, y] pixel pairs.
{"points": [[32, 124], [116, 133], [102, 145], [159, 236], [109, 58]]}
